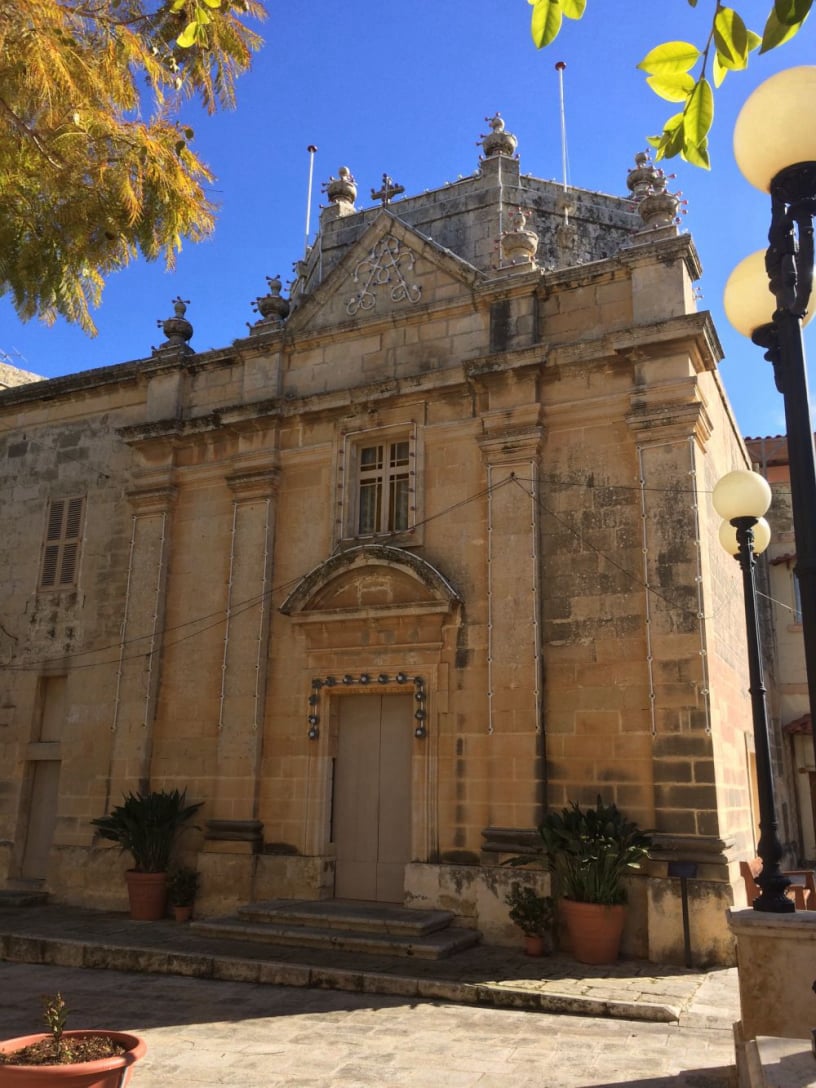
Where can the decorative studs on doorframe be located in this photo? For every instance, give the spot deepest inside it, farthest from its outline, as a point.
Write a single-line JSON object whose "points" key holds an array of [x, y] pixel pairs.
{"points": [[364, 678]]}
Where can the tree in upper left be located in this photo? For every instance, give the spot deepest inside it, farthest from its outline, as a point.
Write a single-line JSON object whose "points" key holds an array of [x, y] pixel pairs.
{"points": [[95, 164]]}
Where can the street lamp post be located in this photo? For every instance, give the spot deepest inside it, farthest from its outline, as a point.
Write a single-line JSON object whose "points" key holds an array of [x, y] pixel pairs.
{"points": [[741, 498], [775, 148]]}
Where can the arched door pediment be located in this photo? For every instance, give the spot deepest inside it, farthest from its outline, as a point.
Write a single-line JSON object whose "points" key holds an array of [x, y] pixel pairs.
{"points": [[371, 578]]}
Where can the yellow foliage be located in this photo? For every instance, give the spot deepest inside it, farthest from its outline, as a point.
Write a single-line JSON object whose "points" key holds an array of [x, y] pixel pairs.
{"points": [[94, 165]]}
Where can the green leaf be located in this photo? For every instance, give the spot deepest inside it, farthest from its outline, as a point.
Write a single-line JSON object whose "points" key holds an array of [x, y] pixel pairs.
{"points": [[718, 71], [731, 39], [776, 33], [187, 37], [699, 115], [674, 88], [697, 155], [546, 22], [670, 57], [178, 5], [791, 12], [574, 9], [201, 17], [670, 142]]}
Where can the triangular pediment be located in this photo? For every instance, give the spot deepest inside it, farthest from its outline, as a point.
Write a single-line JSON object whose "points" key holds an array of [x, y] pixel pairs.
{"points": [[390, 270]]}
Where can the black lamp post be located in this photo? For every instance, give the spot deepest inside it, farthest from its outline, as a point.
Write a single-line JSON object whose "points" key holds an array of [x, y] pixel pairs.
{"points": [[775, 148], [741, 498]]}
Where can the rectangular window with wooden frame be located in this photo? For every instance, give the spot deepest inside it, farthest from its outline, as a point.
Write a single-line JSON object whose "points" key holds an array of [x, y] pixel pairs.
{"points": [[378, 490], [63, 536]]}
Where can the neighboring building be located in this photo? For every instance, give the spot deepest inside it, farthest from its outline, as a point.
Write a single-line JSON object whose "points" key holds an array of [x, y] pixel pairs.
{"points": [[429, 550], [787, 687]]}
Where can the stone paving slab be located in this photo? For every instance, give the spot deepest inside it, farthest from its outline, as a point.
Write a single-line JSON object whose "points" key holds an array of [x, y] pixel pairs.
{"points": [[206, 1034], [485, 975]]}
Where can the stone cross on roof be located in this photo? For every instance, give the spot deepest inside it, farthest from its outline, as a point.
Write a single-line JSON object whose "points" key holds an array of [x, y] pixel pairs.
{"points": [[388, 190]]}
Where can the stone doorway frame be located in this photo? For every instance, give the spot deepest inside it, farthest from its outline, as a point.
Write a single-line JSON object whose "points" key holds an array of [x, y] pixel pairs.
{"points": [[323, 753]]}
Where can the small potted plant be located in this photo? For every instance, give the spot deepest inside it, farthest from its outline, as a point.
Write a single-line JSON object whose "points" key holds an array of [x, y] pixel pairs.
{"points": [[182, 885], [72, 1059], [534, 915], [590, 851], [146, 826]]}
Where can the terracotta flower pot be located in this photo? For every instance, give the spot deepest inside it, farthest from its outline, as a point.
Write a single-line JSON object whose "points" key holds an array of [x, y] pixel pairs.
{"points": [[183, 914], [103, 1073], [148, 895], [534, 945], [595, 929]]}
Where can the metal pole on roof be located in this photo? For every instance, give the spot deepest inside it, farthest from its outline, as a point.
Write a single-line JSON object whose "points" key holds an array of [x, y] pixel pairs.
{"points": [[311, 149]]}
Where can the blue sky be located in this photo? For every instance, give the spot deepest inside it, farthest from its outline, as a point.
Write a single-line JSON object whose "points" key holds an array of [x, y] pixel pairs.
{"points": [[405, 89]]}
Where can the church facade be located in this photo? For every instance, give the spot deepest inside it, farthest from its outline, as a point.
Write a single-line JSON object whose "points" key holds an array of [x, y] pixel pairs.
{"points": [[429, 551]]}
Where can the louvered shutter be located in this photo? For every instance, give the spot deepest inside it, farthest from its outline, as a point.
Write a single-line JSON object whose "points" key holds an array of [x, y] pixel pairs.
{"points": [[62, 540]]}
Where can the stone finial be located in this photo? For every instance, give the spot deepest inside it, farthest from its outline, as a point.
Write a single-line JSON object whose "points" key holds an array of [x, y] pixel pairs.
{"points": [[272, 308], [497, 141], [519, 244], [656, 205], [177, 328], [341, 189]]}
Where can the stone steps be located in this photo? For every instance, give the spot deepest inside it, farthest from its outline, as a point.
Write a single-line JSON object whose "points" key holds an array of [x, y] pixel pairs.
{"points": [[23, 893], [356, 927]]}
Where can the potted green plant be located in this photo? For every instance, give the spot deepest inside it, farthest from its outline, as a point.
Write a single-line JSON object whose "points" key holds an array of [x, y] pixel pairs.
{"points": [[590, 851], [146, 825], [182, 885], [71, 1059], [534, 915]]}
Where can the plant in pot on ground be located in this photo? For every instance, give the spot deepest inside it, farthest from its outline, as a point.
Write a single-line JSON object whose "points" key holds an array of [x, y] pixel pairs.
{"points": [[182, 885], [146, 826], [74, 1059], [534, 915], [590, 851]]}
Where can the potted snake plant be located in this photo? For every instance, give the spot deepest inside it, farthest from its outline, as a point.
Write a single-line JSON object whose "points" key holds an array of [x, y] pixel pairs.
{"points": [[589, 852]]}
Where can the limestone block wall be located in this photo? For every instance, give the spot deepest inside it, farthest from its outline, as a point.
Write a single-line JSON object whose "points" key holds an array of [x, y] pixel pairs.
{"points": [[555, 597], [61, 644]]}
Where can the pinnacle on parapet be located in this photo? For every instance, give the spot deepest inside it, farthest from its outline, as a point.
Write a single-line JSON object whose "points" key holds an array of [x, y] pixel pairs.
{"points": [[519, 244], [177, 329], [498, 141], [272, 307], [656, 206], [341, 189]]}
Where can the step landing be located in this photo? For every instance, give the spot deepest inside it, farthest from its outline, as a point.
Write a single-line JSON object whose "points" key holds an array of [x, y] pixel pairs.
{"points": [[22, 894], [371, 928]]}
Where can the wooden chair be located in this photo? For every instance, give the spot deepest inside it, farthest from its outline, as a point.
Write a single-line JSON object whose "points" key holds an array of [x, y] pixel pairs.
{"points": [[802, 889]]}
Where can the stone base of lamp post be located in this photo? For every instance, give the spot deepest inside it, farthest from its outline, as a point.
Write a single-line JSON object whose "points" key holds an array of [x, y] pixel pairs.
{"points": [[776, 954], [772, 1062]]}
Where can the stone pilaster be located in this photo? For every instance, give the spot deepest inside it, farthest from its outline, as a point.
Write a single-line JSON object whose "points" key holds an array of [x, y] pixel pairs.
{"points": [[513, 701], [245, 654], [670, 438], [140, 649]]}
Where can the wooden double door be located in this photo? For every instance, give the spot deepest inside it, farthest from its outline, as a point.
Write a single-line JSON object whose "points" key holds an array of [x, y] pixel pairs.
{"points": [[371, 812]]}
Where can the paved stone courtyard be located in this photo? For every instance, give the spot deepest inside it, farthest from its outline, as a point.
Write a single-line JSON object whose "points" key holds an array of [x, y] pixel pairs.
{"points": [[203, 1033]]}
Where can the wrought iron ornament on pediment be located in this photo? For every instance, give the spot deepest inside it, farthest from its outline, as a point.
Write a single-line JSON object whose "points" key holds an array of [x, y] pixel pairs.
{"points": [[363, 680], [387, 265]]}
